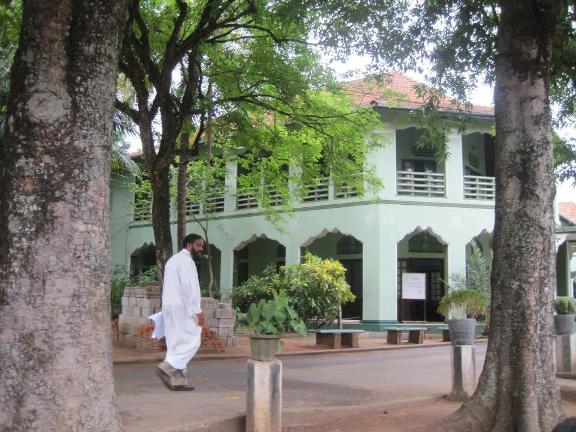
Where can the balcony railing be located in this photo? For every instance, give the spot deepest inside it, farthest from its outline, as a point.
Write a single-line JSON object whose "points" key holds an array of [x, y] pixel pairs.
{"points": [[142, 210], [479, 187], [421, 184], [214, 204], [319, 191], [246, 198], [342, 191]]}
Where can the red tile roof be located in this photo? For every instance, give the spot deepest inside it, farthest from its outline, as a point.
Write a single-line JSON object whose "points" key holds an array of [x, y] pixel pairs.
{"points": [[567, 210], [397, 91]]}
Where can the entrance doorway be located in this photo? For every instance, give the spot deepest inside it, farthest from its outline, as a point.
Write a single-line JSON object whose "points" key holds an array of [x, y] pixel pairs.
{"points": [[422, 310], [353, 310]]}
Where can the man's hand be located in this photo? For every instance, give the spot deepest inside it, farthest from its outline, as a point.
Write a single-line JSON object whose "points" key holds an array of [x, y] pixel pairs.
{"points": [[200, 319]]}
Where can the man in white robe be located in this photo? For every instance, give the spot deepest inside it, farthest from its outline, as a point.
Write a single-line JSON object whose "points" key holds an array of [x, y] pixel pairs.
{"points": [[183, 318]]}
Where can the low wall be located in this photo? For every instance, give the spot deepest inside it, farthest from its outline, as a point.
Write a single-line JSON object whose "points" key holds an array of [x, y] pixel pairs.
{"points": [[139, 302]]}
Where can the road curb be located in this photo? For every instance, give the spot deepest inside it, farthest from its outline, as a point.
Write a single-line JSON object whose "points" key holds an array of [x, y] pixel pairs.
{"points": [[208, 357]]}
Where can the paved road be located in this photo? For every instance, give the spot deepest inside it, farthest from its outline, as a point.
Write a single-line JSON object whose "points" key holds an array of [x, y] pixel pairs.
{"points": [[310, 382]]}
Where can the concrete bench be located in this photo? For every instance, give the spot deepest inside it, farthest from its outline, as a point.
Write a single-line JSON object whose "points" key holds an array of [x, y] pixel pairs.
{"points": [[337, 338], [445, 333], [415, 334]]}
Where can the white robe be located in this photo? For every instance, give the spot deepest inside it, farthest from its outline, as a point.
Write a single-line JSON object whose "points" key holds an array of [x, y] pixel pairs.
{"points": [[180, 304]]}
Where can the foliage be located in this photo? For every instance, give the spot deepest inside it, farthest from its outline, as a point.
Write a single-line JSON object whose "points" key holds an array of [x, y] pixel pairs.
{"points": [[564, 158], [478, 273], [274, 317], [462, 303], [118, 282], [565, 305], [149, 275], [10, 17], [316, 288]]}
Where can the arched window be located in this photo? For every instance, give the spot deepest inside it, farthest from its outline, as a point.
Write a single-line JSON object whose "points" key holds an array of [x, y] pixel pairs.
{"points": [[348, 246], [425, 243]]}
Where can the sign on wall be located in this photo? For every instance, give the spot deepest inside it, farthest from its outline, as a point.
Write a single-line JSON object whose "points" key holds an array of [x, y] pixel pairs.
{"points": [[414, 286]]}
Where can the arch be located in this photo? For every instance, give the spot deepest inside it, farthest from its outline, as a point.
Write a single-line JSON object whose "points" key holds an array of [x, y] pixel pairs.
{"points": [[323, 234], [253, 256], [419, 230], [252, 239], [348, 250], [142, 258]]}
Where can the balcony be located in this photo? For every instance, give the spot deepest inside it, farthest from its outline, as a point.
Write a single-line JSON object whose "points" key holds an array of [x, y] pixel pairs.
{"points": [[479, 187], [214, 204], [142, 210], [426, 184]]}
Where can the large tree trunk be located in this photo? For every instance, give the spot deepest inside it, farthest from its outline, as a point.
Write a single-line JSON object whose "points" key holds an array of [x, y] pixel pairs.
{"points": [[517, 389], [182, 187], [160, 181], [55, 334]]}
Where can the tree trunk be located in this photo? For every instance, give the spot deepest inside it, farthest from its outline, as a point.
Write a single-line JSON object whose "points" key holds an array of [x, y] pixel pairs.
{"points": [[160, 182], [55, 334], [182, 187], [517, 389]]}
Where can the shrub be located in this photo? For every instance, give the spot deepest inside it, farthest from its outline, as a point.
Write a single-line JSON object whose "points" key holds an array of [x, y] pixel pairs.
{"points": [[118, 282], [274, 317], [316, 289], [462, 303], [565, 305]]}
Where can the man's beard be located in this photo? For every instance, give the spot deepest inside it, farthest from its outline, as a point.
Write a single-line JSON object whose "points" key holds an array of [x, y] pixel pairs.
{"points": [[197, 258]]}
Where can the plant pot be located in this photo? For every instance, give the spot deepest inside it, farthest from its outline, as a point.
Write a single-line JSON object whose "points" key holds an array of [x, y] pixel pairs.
{"points": [[564, 324], [264, 347], [462, 331]]}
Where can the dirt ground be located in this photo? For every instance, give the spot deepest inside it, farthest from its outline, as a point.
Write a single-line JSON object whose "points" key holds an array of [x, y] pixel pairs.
{"points": [[411, 417]]}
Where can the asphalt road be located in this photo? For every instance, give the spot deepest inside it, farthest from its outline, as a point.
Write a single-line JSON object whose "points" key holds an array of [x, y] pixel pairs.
{"points": [[310, 382]]}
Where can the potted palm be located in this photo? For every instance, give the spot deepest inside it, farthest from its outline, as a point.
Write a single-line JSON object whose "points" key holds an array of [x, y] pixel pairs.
{"points": [[564, 318], [462, 307], [267, 320]]}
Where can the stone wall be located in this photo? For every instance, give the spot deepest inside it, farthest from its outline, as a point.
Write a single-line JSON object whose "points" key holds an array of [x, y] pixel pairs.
{"points": [[139, 302]]}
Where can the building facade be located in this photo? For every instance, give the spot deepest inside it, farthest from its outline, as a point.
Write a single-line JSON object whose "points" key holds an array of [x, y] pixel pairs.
{"points": [[422, 222]]}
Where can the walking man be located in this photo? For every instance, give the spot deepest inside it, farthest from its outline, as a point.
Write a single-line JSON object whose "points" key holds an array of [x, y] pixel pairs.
{"points": [[183, 318]]}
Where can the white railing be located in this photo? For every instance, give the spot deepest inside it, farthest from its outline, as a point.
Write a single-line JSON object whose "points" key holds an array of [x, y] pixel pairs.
{"points": [[319, 191], [479, 187], [247, 198], [421, 184], [142, 210], [214, 202], [274, 197], [343, 191]]}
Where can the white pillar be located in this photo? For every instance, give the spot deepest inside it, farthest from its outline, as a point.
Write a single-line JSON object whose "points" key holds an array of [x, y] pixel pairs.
{"points": [[463, 372], [384, 159], [456, 252], [226, 269], [264, 396], [566, 353], [454, 168], [379, 268], [292, 254], [230, 186]]}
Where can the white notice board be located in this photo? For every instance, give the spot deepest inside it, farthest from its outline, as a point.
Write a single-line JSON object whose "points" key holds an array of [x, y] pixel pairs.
{"points": [[414, 286]]}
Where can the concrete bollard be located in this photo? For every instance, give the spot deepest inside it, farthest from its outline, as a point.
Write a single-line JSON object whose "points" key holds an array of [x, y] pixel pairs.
{"points": [[264, 396], [463, 372], [566, 353]]}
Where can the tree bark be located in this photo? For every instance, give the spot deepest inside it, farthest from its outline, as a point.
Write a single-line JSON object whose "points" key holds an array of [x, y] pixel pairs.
{"points": [[160, 182], [55, 333], [182, 187], [517, 389]]}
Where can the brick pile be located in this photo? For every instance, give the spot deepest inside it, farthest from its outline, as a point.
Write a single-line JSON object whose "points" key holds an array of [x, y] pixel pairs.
{"points": [[138, 303]]}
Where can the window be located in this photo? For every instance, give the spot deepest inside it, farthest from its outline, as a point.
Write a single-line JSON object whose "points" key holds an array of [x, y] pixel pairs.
{"points": [[425, 243]]}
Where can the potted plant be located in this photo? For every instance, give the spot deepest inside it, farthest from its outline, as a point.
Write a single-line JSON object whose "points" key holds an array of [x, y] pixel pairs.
{"points": [[267, 320], [564, 318], [461, 307]]}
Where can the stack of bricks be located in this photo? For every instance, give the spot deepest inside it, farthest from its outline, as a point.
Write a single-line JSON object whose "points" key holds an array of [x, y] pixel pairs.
{"points": [[220, 318], [138, 303]]}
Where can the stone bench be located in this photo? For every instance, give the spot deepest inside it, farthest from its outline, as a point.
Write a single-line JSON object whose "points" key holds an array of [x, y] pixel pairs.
{"points": [[415, 334], [337, 338], [445, 333]]}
